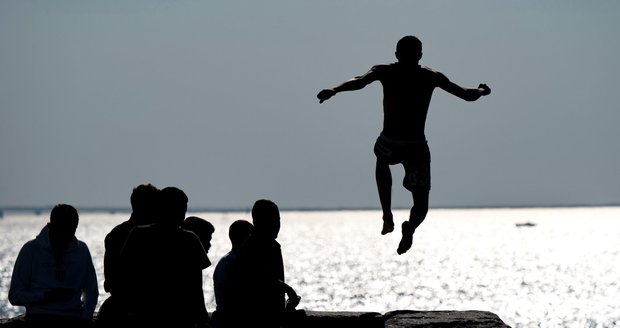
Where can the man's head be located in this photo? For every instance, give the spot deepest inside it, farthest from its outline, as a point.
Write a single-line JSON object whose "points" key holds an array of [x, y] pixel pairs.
{"points": [[202, 228], [173, 205], [409, 49], [266, 218], [144, 200], [238, 232], [63, 223]]}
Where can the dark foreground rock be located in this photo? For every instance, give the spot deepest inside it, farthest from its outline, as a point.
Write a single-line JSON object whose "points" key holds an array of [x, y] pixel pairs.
{"points": [[441, 319], [393, 319]]}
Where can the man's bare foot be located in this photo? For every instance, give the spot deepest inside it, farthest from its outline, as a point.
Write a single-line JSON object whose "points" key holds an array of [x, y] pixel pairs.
{"points": [[407, 240], [388, 225]]}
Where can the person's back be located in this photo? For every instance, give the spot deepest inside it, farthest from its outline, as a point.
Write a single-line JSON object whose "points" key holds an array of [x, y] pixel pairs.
{"points": [[157, 261], [261, 261], [204, 230], [143, 201], [224, 283], [260, 271], [161, 261], [54, 277]]}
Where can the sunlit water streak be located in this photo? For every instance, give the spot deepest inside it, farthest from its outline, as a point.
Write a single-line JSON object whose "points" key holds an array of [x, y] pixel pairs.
{"points": [[563, 272]]}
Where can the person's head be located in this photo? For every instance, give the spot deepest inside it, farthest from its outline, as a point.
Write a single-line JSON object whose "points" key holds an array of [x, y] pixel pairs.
{"points": [[173, 205], [63, 223], [202, 228], [238, 232], [266, 218], [409, 49], [144, 200]]}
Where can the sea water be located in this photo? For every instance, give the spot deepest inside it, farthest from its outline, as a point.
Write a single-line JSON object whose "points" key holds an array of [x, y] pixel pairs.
{"points": [[561, 269]]}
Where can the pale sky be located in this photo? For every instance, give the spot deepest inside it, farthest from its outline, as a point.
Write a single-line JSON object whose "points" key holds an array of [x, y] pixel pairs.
{"points": [[218, 98]]}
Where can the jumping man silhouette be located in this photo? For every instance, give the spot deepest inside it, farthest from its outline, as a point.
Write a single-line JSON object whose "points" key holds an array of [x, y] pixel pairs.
{"points": [[407, 92]]}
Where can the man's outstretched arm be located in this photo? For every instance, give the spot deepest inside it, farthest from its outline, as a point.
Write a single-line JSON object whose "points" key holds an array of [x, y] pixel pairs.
{"points": [[465, 93], [355, 83]]}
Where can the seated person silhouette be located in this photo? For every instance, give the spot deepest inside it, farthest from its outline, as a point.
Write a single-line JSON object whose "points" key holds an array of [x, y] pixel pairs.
{"points": [[54, 277], [204, 230], [260, 285], [156, 262], [144, 199], [238, 232]]}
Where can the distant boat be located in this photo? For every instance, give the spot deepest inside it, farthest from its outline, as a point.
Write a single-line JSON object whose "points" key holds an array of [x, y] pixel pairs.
{"points": [[525, 224]]}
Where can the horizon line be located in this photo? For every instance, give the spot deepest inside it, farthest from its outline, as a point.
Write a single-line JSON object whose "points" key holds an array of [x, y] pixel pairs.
{"points": [[202, 209]]}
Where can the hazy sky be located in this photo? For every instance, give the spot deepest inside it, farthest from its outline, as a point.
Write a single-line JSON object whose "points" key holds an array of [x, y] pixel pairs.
{"points": [[219, 99]]}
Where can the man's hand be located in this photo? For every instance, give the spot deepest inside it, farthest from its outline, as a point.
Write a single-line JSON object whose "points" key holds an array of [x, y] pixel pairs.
{"points": [[293, 299], [484, 89], [325, 94], [292, 302]]}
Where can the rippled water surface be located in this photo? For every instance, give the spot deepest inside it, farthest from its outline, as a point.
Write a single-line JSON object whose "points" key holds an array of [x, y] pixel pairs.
{"points": [[562, 272]]}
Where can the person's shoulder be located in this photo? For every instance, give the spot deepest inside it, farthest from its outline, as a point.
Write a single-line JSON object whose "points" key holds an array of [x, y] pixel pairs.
{"points": [[380, 68], [81, 246], [429, 70], [228, 257], [142, 228], [140, 234], [225, 261], [437, 75], [119, 231], [383, 66], [190, 240], [188, 235], [30, 245], [390, 70]]}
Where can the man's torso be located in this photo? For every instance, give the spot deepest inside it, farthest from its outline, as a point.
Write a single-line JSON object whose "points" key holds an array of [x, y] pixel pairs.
{"points": [[407, 92]]}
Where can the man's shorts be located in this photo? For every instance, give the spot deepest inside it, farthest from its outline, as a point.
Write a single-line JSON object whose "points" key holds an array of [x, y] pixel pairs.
{"points": [[414, 156]]}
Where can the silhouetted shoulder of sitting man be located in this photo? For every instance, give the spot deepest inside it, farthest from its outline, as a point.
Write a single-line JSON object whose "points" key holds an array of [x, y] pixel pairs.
{"points": [[261, 272], [54, 276], [407, 92], [156, 261]]}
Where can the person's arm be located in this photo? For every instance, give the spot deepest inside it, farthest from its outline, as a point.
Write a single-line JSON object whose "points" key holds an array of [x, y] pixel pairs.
{"points": [[293, 299], [353, 84], [463, 93], [91, 287], [110, 263], [20, 293]]}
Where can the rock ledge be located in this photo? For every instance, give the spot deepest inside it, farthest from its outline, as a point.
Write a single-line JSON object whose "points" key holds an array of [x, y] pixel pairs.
{"points": [[392, 319]]}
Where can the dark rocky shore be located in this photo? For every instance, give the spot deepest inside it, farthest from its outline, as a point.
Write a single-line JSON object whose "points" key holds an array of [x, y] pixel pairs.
{"points": [[393, 319], [402, 319]]}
